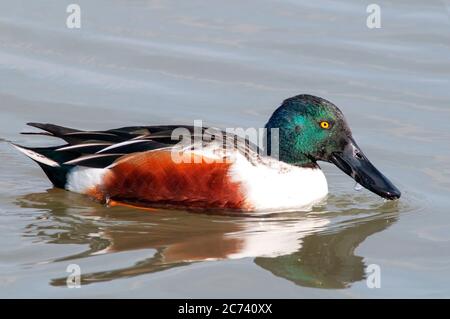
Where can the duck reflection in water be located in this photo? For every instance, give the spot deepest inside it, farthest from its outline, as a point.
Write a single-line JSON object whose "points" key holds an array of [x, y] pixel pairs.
{"points": [[314, 249]]}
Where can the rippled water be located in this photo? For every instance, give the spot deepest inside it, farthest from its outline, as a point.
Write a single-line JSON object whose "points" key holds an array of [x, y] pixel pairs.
{"points": [[228, 64]]}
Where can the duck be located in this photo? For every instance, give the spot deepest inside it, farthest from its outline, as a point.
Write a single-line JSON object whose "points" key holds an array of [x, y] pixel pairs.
{"points": [[192, 167]]}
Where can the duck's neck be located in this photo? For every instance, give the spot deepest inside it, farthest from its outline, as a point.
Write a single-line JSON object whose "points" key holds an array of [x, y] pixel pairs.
{"points": [[309, 165], [288, 156]]}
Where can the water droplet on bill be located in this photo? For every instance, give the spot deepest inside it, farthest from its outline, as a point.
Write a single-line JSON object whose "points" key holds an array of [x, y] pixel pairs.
{"points": [[358, 187]]}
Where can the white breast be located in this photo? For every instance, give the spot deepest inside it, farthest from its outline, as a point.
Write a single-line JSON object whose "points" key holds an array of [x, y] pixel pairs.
{"points": [[274, 185]]}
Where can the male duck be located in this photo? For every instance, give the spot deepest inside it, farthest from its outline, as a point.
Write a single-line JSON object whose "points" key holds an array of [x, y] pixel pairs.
{"points": [[145, 166]]}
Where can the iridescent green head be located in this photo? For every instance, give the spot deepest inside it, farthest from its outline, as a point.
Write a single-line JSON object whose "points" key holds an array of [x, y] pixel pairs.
{"points": [[310, 128], [313, 129]]}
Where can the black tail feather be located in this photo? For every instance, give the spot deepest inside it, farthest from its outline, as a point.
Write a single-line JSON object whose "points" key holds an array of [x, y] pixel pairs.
{"points": [[52, 166], [56, 175]]}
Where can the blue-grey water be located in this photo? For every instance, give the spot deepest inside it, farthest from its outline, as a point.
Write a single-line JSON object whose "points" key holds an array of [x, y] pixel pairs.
{"points": [[229, 64]]}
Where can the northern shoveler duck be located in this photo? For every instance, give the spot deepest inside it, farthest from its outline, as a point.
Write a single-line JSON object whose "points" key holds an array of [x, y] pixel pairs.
{"points": [[137, 166]]}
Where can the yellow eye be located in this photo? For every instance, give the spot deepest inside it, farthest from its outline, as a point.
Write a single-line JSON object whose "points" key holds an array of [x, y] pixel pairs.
{"points": [[325, 125]]}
